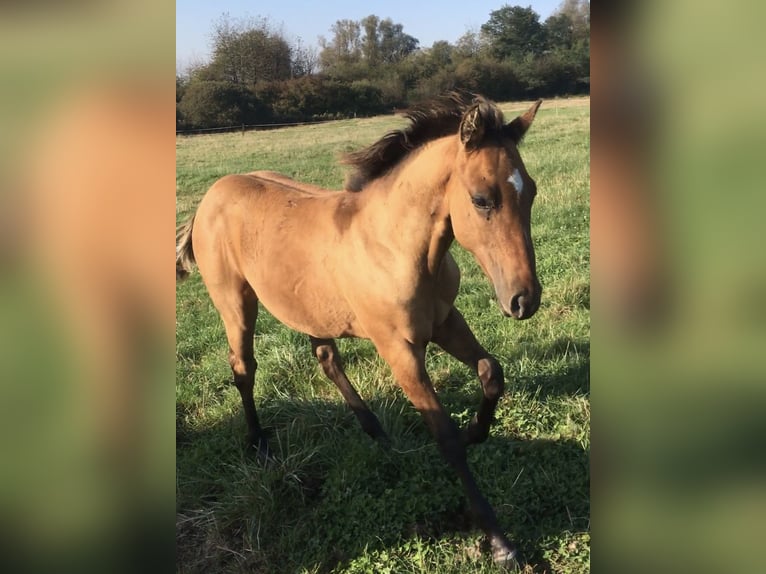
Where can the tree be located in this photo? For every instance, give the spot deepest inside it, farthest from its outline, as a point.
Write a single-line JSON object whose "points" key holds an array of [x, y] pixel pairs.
{"points": [[305, 60], [395, 45], [352, 56], [248, 51], [559, 31], [569, 25], [566, 68], [470, 45], [180, 90], [578, 12], [344, 48], [180, 87], [514, 32], [371, 43], [441, 54]]}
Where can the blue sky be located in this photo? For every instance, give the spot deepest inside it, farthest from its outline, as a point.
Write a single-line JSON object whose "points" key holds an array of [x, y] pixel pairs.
{"points": [[426, 20]]}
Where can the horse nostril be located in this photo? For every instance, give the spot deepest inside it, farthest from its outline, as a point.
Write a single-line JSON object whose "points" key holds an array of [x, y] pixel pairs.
{"points": [[517, 305]]}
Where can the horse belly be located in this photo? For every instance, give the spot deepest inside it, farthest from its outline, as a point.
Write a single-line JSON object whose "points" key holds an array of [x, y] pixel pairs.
{"points": [[305, 300], [312, 317]]}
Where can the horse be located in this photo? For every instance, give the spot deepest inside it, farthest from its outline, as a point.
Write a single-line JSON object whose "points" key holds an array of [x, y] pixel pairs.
{"points": [[372, 261]]}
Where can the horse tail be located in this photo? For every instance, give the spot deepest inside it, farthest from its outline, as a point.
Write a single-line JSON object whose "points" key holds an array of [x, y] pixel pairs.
{"points": [[184, 250]]}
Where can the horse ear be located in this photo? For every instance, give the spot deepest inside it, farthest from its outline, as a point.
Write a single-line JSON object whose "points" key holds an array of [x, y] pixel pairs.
{"points": [[519, 126], [472, 128]]}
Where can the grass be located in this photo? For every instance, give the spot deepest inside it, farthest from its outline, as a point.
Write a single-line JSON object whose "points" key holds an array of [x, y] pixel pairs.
{"points": [[335, 501]]}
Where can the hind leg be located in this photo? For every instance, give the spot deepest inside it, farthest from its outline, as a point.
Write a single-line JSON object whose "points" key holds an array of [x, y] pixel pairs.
{"points": [[238, 308], [329, 357]]}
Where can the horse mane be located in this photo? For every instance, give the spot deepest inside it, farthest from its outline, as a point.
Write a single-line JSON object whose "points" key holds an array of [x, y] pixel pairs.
{"points": [[431, 120]]}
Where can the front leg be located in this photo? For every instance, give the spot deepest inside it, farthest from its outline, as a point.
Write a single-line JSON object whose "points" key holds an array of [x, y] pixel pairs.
{"points": [[455, 336], [407, 361]]}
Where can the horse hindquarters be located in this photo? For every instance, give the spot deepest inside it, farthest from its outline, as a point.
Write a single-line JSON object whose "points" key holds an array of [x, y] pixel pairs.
{"points": [[235, 300]]}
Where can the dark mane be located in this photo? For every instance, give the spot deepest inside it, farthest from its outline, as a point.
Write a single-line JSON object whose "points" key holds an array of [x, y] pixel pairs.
{"points": [[434, 119]]}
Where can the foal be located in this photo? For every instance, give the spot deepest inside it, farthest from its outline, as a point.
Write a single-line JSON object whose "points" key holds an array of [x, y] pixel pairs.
{"points": [[372, 261]]}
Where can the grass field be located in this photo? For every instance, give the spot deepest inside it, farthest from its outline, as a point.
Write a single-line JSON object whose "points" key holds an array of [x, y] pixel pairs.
{"points": [[336, 502]]}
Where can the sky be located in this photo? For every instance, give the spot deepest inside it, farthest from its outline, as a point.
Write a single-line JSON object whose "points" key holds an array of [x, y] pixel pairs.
{"points": [[426, 20]]}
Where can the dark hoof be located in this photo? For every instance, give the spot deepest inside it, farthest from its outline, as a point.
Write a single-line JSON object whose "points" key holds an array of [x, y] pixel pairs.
{"points": [[473, 434], [383, 441], [371, 425], [259, 446], [509, 562], [505, 555]]}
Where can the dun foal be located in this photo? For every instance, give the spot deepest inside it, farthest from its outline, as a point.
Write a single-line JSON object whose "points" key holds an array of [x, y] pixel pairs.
{"points": [[372, 261]]}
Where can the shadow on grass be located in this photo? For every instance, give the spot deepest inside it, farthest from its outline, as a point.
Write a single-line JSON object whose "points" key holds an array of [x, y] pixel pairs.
{"points": [[333, 495], [459, 391], [572, 380]]}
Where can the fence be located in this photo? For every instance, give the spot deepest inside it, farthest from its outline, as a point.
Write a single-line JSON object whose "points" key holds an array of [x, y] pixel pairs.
{"points": [[249, 127]]}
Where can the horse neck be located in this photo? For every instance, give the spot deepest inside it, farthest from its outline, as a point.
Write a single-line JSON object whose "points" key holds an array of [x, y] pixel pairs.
{"points": [[409, 208]]}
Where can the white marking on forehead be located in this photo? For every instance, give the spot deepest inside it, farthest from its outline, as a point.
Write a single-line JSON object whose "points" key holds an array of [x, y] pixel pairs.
{"points": [[515, 179]]}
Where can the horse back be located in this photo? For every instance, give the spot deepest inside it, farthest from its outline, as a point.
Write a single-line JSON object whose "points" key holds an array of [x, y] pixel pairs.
{"points": [[280, 237]]}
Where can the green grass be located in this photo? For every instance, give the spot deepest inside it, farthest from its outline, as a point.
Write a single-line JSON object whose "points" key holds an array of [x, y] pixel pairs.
{"points": [[335, 501]]}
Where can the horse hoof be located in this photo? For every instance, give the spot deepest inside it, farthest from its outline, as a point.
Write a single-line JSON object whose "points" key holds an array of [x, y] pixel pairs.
{"points": [[505, 556], [472, 434], [260, 447], [383, 441], [509, 561], [264, 454]]}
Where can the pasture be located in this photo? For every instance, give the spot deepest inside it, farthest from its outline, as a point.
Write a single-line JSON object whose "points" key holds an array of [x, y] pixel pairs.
{"points": [[334, 501]]}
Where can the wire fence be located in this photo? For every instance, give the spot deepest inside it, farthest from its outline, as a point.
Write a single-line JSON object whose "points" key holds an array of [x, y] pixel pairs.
{"points": [[250, 127]]}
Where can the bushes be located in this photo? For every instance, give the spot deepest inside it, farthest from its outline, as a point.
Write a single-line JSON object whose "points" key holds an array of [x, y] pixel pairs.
{"points": [[208, 104], [217, 104], [205, 103], [556, 72], [315, 97]]}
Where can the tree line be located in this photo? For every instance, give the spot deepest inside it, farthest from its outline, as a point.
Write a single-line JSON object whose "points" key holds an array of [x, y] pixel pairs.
{"points": [[256, 75]]}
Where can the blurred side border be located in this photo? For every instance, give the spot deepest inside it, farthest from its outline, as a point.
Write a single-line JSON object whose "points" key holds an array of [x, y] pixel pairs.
{"points": [[678, 278], [87, 168]]}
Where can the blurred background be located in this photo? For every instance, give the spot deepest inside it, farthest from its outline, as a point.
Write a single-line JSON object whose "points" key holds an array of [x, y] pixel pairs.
{"points": [[87, 297], [86, 287]]}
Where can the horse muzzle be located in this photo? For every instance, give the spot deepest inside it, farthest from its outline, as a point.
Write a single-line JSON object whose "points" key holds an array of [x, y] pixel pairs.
{"points": [[523, 303]]}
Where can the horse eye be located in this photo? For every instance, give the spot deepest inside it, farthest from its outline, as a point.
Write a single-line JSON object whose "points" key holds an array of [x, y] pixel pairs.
{"points": [[481, 202]]}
